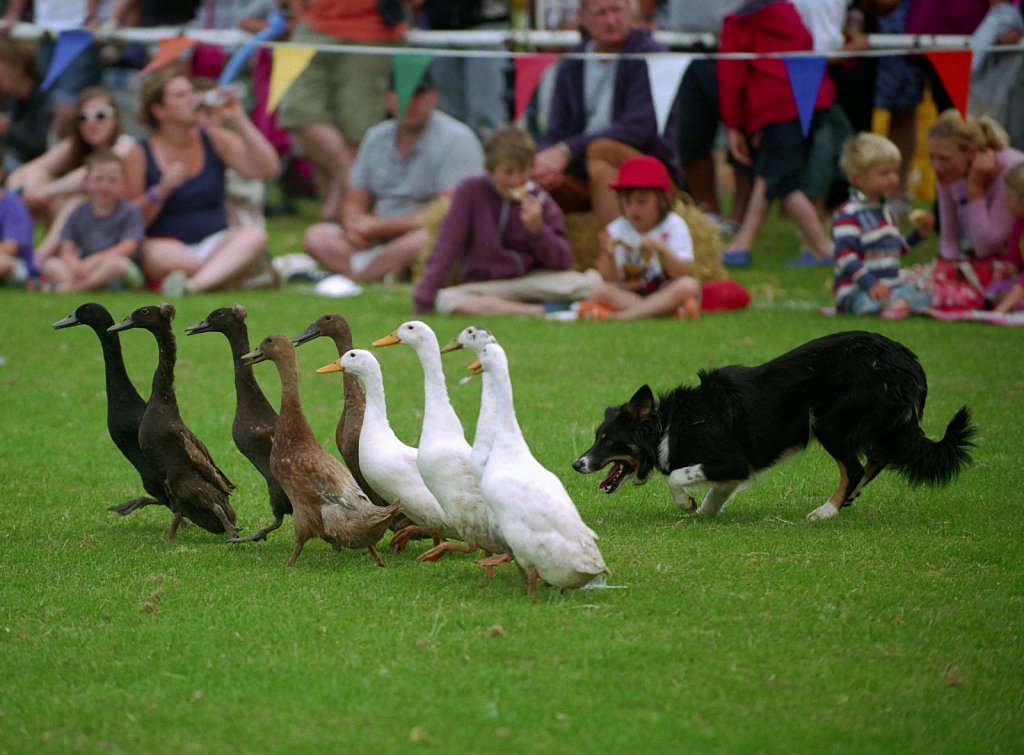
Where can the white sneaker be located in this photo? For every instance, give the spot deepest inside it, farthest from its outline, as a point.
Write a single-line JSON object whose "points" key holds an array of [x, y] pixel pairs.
{"points": [[175, 285], [338, 286]]}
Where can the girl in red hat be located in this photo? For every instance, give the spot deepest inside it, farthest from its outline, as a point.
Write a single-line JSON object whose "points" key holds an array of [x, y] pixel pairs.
{"points": [[646, 254]]}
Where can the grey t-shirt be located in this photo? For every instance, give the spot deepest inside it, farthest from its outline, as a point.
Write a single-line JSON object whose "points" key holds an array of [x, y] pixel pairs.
{"points": [[93, 233], [446, 153]]}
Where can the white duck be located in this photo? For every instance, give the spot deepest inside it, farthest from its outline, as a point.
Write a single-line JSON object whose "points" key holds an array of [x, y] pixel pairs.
{"points": [[533, 511], [388, 464], [475, 338], [443, 454]]}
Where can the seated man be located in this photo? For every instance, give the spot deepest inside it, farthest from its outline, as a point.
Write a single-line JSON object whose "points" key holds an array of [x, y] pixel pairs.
{"points": [[399, 168], [602, 113]]}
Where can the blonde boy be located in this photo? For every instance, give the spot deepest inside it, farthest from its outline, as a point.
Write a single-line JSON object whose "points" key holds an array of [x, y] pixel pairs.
{"points": [[100, 243], [866, 236]]}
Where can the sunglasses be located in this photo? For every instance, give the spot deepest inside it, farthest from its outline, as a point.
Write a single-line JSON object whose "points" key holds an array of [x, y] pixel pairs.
{"points": [[100, 114]]}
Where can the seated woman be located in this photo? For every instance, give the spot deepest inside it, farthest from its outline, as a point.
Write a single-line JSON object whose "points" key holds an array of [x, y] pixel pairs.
{"points": [[969, 158], [176, 176], [51, 184]]}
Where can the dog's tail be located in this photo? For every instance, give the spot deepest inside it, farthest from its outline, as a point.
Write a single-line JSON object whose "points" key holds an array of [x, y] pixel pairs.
{"points": [[928, 462]]}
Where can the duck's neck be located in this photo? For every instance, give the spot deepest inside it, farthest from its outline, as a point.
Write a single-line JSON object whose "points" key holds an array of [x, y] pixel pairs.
{"points": [[484, 434], [506, 427], [247, 390], [437, 410], [376, 406], [292, 420], [118, 382], [163, 378]]}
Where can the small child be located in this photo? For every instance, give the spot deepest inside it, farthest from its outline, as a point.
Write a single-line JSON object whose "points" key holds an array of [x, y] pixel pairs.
{"points": [[1007, 287], [646, 254], [867, 239], [507, 238], [102, 239], [17, 262]]}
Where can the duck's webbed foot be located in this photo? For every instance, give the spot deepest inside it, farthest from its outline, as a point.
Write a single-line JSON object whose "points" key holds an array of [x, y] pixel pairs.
{"points": [[376, 556], [175, 523], [447, 546], [259, 534], [491, 561], [124, 509], [402, 537]]}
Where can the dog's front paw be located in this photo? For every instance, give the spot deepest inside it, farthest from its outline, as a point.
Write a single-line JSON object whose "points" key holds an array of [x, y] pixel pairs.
{"points": [[687, 503], [824, 511]]}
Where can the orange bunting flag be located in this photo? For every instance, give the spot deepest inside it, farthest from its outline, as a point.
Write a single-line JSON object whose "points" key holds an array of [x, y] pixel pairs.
{"points": [[529, 69], [954, 70], [168, 50]]}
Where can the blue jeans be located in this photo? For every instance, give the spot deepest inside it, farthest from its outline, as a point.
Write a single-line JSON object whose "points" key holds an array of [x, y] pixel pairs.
{"points": [[862, 304]]}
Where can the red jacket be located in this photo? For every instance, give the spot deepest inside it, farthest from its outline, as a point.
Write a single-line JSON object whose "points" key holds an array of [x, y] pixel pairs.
{"points": [[756, 93]]}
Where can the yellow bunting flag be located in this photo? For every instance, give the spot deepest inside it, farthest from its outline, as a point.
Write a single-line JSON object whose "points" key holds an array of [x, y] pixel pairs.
{"points": [[289, 62]]}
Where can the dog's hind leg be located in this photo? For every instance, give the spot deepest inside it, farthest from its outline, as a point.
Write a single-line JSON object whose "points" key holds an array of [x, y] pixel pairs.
{"points": [[719, 495], [871, 470], [851, 475]]}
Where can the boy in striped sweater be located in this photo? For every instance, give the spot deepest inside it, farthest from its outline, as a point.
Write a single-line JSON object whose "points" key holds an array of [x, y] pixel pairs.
{"points": [[866, 235]]}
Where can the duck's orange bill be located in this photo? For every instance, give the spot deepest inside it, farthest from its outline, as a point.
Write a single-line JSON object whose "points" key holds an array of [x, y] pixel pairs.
{"points": [[390, 340], [476, 368], [334, 366]]}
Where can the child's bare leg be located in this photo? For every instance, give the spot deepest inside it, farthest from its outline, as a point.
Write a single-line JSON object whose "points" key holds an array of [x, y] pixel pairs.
{"points": [[493, 305], [396, 255], [235, 254], [94, 277], [753, 218], [665, 301], [800, 208]]}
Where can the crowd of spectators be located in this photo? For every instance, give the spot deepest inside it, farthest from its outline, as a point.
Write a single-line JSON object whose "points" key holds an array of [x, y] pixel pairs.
{"points": [[193, 162]]}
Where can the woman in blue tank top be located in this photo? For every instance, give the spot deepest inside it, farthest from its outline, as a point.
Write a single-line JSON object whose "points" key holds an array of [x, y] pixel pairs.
{"points": [[176, 176]]}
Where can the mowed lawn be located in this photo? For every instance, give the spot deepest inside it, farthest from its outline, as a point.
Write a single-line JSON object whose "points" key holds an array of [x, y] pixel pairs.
{"points": [[895, 627]]}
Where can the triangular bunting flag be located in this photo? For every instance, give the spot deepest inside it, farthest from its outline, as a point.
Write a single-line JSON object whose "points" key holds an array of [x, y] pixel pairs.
{"points": [[70, 44], [408, 72], [168, 50], [664, 72], [805, 75], [954, 70], [529, 69], [288, 63], [276, 27]]}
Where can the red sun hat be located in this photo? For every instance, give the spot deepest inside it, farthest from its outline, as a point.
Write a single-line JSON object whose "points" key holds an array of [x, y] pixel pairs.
{"points": [[643, 172]]}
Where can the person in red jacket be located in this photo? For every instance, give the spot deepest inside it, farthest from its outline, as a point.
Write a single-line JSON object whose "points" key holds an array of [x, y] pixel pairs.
{"points": [[762, 121]]}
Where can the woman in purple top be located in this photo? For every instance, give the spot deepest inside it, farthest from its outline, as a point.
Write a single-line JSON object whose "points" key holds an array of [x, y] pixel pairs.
{"points": [[176, 176], [969, 159]]}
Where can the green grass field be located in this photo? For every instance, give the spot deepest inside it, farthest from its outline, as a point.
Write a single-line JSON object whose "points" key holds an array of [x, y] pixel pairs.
{"points": [[896, 627]]}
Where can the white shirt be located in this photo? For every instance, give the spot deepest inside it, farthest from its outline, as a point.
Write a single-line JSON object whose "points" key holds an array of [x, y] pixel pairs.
{"points": [[638, 268]]}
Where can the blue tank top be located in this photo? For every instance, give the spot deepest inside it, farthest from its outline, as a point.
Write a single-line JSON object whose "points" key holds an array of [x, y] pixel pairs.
{"points": [[197, 208]]}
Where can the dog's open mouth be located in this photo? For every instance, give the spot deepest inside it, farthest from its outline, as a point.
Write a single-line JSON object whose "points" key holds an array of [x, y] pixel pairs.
{"points": [[615, 477]]}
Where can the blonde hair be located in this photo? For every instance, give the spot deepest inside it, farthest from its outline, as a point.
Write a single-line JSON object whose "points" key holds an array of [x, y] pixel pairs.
{"points": [[1014, 179], [972, 133], [509, 145], [862, 151]]}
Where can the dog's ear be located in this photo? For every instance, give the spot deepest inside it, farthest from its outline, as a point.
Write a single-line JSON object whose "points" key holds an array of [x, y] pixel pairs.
{"points": [[641, 405]]}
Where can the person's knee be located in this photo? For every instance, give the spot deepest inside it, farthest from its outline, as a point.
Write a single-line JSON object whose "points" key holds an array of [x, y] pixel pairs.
{"points": [[322, 239]]}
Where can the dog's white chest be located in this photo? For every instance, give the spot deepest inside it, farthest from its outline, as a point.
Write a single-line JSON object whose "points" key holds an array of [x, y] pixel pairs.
{"points": [[663, 454]]}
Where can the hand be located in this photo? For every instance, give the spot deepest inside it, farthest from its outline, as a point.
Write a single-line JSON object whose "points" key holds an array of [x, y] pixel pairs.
{"points": [[984, 169], [360, 231], [172, 178], [879, 292], [738, 147], [549, 166], [652, 245], [605, 243], [530, 213], [922, 221]]}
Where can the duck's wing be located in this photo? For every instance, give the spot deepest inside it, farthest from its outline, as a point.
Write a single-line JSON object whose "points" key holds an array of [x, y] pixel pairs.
{"points": [[203, 461]]}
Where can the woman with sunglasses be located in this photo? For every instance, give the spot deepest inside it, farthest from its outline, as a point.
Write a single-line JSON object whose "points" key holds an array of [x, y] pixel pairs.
{"points": [[176, 176], [51, 184]]}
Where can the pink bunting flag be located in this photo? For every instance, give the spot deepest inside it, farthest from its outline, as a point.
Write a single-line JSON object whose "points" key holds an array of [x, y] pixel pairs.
{"points": [[954, 70], [168, 50], [805, 75], [529, 69]]}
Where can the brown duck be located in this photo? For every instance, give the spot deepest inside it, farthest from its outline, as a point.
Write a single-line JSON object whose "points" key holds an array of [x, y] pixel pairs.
{"points": [[195, 487], [327, 501], [255, 419]]}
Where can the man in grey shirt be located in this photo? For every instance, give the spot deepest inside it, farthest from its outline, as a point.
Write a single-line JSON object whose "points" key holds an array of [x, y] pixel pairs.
{"points": [[401, 166]]}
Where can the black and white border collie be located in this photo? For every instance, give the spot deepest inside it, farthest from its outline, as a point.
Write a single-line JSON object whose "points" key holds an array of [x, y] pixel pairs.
{"points": [[860, 394]]}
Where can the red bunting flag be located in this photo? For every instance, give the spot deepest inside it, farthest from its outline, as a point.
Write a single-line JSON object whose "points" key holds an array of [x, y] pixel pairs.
{"points": [[954, 70], [168, 50], [529, 69]]}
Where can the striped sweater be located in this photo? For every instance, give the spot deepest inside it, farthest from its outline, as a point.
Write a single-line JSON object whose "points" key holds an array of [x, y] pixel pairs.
{"points": [[867, 246]]}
